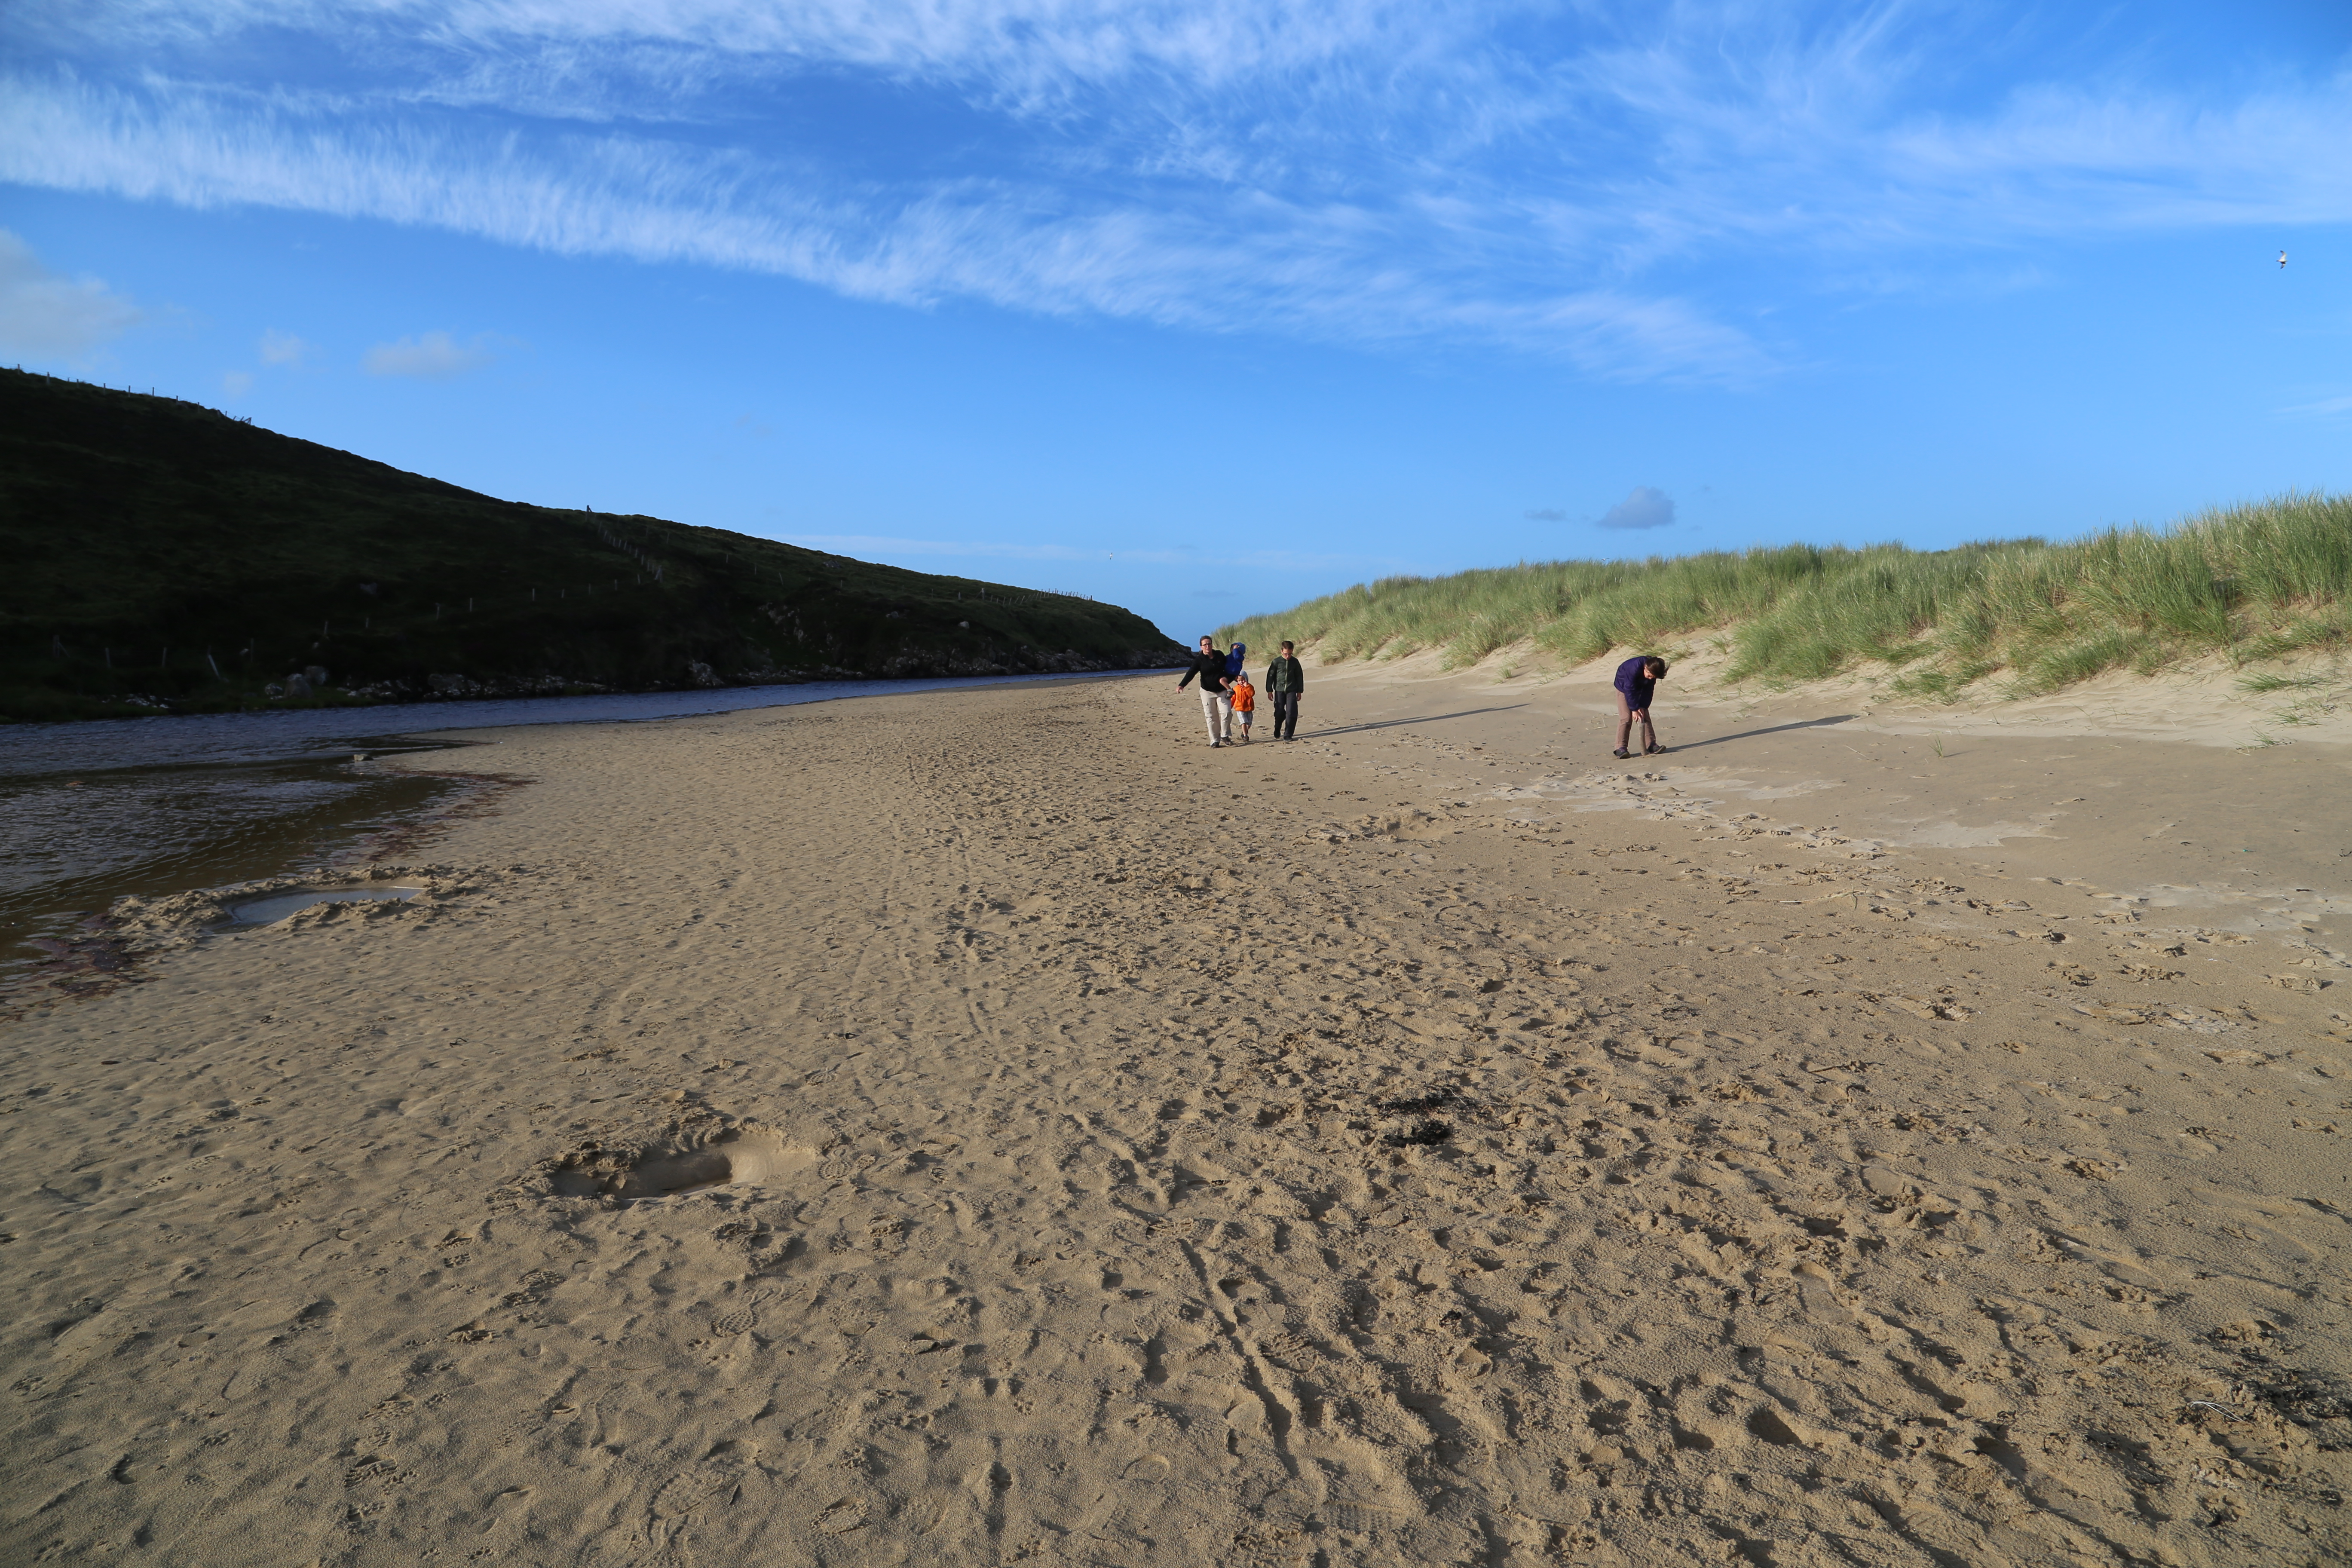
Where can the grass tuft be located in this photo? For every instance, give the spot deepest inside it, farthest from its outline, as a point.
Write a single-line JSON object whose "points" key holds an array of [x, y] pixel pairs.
{"points": [[2269, 682], [2258, 582]]}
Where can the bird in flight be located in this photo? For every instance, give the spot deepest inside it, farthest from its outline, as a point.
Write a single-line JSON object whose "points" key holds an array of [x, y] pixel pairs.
{"points": [[2282, 258]]}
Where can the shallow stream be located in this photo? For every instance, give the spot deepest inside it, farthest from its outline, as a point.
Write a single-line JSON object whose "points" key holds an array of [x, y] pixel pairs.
{"points": [[90, 812]]}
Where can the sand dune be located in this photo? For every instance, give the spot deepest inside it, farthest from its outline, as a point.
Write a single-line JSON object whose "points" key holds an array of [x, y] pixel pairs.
{"points": [[978, 1127]]}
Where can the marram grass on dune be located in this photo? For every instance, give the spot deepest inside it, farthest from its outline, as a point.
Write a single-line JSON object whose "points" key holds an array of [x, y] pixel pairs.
{"points": [[2255, 582]]}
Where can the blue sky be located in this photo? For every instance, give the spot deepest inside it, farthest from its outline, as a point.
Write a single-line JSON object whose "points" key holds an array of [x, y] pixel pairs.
{"points": [[1207, 308]]}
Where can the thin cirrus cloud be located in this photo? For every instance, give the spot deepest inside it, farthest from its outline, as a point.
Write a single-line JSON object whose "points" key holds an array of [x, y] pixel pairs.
{"points": [[1594, 184], [1326, 274], [429, 356], [45, 315], [1021, 53]]}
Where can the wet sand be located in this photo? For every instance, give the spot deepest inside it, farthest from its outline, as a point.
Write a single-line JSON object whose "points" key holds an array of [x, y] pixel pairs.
{"points": [[989, 1127], [145, 807]]}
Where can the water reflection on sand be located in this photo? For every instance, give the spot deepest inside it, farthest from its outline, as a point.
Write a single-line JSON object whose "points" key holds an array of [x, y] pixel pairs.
{"points": [[89, 812]]}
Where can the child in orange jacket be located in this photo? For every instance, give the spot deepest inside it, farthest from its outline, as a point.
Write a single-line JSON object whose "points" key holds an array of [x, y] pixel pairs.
{"points": [[1245, 697]]}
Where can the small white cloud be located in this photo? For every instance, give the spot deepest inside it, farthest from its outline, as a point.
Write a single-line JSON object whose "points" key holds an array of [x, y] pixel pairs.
{"points": [[1646, 508], [434, 356], [284, 348], [235, 383], [1547, 514], [47, 316]]}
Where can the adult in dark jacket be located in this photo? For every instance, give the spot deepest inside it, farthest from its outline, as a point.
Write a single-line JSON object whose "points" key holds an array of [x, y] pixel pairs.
{"points": [[1208, 666], [1286, 680], [1637, 682]]}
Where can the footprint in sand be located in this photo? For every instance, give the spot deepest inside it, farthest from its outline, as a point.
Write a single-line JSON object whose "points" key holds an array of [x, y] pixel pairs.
{"points": [[842, 1516], [688, 1162], [721, 1470]]}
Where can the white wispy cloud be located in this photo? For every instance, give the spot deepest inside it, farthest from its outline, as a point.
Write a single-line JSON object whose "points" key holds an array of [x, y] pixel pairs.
{"points": [[1018, 52], [1328, 272], [1554, 177], [46, 316]]}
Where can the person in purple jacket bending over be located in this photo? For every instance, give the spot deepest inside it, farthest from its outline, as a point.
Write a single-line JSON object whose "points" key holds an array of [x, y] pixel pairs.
{"points": [[1637, 682]]}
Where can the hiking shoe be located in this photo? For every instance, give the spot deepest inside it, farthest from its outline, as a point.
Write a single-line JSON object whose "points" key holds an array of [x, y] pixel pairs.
{"points": [[1621, 755]]}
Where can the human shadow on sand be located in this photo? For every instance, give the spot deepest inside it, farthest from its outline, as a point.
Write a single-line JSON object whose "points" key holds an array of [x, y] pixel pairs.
{"points": [[1424, 719], [1775, 729]]}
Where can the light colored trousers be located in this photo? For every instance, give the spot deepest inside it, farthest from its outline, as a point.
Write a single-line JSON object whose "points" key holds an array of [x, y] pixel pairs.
{"points": [[1218, 709]]}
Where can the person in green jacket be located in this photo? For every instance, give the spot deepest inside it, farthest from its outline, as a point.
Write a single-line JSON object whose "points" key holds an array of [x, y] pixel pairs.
{"points": [[1286, 682]]}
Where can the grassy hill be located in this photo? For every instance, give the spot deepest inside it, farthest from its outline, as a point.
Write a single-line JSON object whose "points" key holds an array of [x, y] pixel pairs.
{"points": [[160, 555], [2259, 581]]}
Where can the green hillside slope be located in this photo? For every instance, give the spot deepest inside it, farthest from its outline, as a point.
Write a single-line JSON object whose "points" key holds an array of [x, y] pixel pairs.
{"points": [[2268, 580], [163, 555]]}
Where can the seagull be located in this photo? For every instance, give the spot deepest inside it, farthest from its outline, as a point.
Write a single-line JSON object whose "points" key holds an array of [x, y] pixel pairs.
{"points": [[2282, 258]]}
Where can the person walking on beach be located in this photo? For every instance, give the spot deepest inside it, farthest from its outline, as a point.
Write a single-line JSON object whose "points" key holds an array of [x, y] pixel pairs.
{"points": [[1245, 697], [1637, 682], [1286, 680], [1209, 667]]}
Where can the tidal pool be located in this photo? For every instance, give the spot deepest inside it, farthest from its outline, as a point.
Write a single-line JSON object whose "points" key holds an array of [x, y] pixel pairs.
{"points": [[278, 906]]}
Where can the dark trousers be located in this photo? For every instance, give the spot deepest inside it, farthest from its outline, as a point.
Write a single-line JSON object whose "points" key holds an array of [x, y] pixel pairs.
{"points": [[1286, 714]]}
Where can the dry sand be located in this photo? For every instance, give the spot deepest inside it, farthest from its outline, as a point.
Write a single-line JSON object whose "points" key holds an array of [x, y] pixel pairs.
{"points": [[989, 1127]]}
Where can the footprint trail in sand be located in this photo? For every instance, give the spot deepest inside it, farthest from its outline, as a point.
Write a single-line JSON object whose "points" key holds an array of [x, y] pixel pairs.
{"points": [[1010, 1134]]}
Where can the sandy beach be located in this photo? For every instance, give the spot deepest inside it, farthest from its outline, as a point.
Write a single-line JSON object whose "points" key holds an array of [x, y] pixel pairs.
{"points": [[988, 1127]]}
